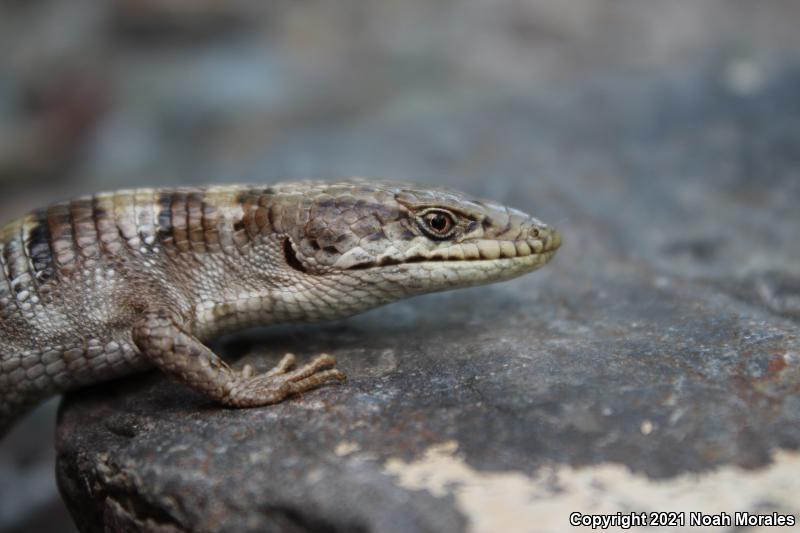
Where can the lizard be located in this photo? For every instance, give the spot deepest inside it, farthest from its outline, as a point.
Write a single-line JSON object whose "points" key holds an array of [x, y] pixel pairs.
{"points": [[114, 283]]}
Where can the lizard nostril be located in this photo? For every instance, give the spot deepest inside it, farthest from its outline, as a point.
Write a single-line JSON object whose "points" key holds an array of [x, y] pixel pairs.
{"points": [[534, 232]]}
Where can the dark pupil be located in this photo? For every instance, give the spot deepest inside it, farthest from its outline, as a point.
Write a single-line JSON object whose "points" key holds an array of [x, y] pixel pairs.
{"points": [[439, 222]]}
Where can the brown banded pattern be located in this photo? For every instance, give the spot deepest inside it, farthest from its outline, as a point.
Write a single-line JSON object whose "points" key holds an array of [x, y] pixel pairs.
{"points": [[62, 238], [105, 285], [84, 230], [103, 211], [39, 247], [194, 222]]}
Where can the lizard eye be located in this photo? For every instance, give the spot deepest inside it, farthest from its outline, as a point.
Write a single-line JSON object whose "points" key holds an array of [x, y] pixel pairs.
{"points": [[438, 224]]}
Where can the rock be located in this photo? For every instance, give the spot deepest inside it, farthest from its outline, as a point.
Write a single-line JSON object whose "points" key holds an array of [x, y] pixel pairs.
{"points": [[649, 349]]}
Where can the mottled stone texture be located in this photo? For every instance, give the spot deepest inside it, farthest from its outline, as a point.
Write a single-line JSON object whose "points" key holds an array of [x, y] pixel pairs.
{"points": [[664, 337]]}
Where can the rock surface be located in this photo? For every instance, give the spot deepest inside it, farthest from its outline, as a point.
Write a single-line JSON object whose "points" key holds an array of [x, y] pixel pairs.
{"points": [[663, 338], [654, 365]]}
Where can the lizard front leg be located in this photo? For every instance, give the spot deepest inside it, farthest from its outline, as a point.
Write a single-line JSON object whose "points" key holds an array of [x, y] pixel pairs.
{"points": [[162, 339]]}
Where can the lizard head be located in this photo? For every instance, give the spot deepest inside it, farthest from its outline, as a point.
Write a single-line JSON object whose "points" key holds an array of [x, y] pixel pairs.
{"points": [[396, 240]]}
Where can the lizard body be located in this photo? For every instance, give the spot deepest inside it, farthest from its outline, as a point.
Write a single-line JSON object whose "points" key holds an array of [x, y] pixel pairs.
{"points": [[111, 284]]}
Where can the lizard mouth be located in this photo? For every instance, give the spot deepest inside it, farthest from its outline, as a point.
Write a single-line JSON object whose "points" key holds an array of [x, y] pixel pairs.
{"points": [[532, 259], [487, 252]]}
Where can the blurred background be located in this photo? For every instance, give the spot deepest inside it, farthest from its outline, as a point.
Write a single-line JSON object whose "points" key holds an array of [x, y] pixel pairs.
{"points": [[585, 106]]}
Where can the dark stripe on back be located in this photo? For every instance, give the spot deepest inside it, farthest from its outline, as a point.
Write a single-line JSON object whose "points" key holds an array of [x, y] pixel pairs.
{"points": [[105, 225], [164, 215], [194, 221], [180, 235], [210, 231], [179, 212], [253, 194], [39, 250], [62, 241], [84, 230], [255, 211]]}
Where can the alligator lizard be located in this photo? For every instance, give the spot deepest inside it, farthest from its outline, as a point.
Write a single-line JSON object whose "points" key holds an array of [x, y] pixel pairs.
{"points": [[111, 284]]}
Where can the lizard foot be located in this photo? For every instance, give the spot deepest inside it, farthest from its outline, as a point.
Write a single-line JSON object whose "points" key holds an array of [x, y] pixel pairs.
{"points": [[249, 390]]}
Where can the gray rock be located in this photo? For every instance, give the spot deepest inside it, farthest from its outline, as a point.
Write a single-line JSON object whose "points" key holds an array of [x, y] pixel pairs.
{"points": [[663, 338]]}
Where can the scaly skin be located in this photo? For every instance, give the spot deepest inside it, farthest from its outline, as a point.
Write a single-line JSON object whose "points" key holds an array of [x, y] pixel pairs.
{"points": [[108, 285]]}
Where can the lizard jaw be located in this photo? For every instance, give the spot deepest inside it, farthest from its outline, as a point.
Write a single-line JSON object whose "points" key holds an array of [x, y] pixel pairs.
{"points": [[434, 276]]}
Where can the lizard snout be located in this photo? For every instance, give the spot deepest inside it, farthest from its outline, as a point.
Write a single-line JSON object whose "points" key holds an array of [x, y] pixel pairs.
{"points": [[549, 236]]}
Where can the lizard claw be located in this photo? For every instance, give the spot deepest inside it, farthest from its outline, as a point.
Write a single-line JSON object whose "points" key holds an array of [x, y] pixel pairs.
{"points": [[279, 382]]}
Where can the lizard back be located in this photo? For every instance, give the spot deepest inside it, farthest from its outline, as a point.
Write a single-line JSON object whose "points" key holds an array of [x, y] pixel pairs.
{"points": [[73, 275]]}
